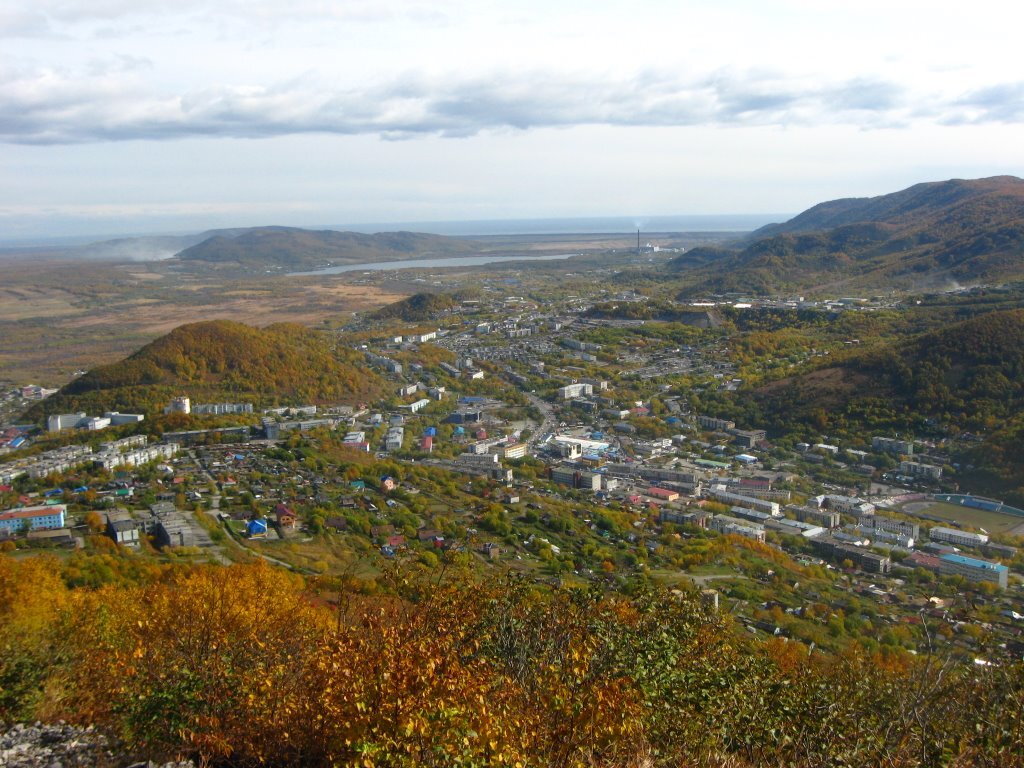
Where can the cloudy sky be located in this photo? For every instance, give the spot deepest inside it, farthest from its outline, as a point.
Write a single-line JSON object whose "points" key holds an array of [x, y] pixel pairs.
{"points": [[145, 115]]}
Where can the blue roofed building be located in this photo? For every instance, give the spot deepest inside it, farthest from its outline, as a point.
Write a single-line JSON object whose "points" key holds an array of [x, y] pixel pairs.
{"points": [[973, 569]]}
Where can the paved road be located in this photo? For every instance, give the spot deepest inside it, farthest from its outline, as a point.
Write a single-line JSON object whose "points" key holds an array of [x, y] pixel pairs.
{"points": [[548, 424], [702, 581]]}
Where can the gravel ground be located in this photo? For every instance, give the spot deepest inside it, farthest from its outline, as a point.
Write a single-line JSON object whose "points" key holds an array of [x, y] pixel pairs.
{"points": [[64, 746]]}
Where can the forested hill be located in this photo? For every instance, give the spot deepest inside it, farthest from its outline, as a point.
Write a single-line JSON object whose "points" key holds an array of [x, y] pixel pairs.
{"points": [[225, 360], [965, 378], [930, 235], [418, 307], [970, 375], [291, 248]]}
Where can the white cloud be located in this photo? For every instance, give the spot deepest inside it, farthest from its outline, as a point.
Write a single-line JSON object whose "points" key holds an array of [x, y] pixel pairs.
{"points": [[107, 102], [112, 100]]}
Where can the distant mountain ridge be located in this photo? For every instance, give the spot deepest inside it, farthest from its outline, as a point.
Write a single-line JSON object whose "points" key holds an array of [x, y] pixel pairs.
{"points": [[921, 203], [293, 248], [930, 235], [276, 247]]}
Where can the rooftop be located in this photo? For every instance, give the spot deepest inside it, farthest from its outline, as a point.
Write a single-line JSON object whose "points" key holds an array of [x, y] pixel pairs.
{"points": [[973, 562]]}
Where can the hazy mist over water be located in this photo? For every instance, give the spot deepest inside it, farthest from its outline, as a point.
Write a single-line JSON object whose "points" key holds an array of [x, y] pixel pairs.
{"points": [[590, 225]]}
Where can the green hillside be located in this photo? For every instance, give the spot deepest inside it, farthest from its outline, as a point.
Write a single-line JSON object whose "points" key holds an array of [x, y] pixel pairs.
{"points": [[970, 374], [225, 360], [967, 378]]}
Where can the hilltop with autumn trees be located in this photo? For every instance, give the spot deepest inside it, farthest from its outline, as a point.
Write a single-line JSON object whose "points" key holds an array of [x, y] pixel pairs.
{"points": [[223, 360]]}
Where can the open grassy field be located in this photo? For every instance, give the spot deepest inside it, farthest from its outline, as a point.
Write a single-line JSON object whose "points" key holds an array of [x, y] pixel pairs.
{"points": [[993, 522], [59, 317]]}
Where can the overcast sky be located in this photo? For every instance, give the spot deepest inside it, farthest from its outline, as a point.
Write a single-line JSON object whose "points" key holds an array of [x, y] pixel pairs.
{"points": [[146, 115]]}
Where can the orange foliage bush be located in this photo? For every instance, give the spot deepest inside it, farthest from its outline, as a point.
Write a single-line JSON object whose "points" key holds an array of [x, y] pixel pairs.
{"points": [[245, 664]]}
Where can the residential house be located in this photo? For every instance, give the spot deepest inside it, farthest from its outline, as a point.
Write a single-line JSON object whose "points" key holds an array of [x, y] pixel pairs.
{"points": [[286, 517]]}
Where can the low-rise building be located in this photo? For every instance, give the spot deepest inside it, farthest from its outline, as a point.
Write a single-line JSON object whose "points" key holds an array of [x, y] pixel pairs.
{"points": [[514, 451], [33, 518], [220, 409], [748, 438], [973, 569], [393, 440], [662, 493], [902, 527], [731, 525], [716, 425], [719, 493], [122, 529], [168, 526], [569, 391], [60, 421], [917, 469], [831, 547], [955, 536], [893, 445], [798, 527], [826, 518], [848, 505], [179, 405], [751, 514], [890, 537], [684, 517]]}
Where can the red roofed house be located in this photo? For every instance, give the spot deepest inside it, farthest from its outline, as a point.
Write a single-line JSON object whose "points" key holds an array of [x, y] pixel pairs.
{"points": [[285, 516]]}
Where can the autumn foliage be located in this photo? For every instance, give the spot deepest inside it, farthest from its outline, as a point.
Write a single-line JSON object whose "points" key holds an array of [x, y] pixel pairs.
{"points": [[224, 360], [250, 665]]}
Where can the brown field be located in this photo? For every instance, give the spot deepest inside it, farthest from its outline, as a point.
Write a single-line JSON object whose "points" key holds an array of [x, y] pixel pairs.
{"points": [[58, 317]]}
